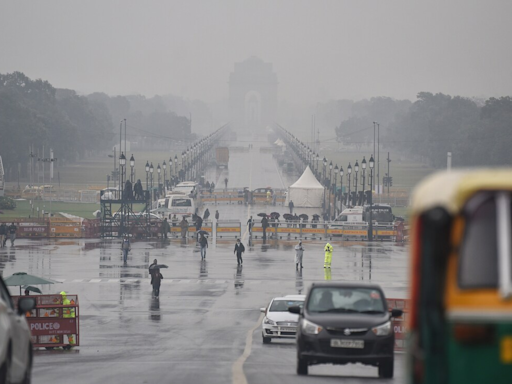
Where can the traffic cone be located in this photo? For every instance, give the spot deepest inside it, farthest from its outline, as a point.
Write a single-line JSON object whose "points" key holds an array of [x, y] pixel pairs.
{"points": [[46, 314]]}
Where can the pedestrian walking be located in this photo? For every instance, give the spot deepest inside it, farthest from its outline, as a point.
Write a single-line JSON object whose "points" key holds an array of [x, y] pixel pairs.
{"points": [[126, 247], [203, 242], [291, 205], [217, 215], [269, 196], [226, 183], [250, 224], [156, 278], [299, 252], [264, 225], [3, 234], [199, 223], [12, 233], [328, 255], [166, 228], [239, 249], [206, 214], [274, 198], [184, 227]]}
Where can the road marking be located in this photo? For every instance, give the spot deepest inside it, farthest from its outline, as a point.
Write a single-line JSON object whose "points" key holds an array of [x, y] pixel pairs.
{"points": [[238, 366]]}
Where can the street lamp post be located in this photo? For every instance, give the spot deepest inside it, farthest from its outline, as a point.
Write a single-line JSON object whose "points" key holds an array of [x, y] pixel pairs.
{"points": [[159, 170], [335, 186], [151, 169], [164, 166], [147, 175], [370, 226], [122, 163], [132, 164], [341, 188], [363, 165], [176, 166], [356, 180], [330, 184], [349, 172]]}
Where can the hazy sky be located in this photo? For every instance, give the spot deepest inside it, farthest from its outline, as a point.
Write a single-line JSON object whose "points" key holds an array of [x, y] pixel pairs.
{"points": [[319, 49]]}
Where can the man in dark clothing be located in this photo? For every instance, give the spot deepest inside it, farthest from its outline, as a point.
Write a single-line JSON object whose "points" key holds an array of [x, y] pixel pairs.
{"points": [[3, 234], [203, 242], [226, 183], [206, 214], [137, 189], [199, 223], [128, 192], [291, 205], [165, 228], [156, 278], [264, 225], [250, 223], [12, 233], [239, 249], [217, 215]]}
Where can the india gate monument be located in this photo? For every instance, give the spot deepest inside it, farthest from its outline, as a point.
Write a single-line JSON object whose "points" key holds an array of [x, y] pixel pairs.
{"points": [[252, 95]]}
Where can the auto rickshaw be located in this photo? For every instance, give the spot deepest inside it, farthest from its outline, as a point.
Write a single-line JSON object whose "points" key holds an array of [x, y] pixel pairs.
{"points": [[460, 324]]}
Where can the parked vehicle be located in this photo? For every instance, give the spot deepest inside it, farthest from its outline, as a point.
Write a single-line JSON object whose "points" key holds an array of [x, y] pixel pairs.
{"points": [[460, 320], [222, 157], [175, 204], [343, 323], [15, 338], [278, 323], [381, 213], [188, 188]]}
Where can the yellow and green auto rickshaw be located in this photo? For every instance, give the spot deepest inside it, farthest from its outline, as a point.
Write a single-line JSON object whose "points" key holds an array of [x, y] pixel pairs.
{"points": [[460, 324]]}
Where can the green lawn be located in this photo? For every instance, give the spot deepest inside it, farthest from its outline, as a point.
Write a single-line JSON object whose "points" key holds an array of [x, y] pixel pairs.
{"points": [[84, 210]]}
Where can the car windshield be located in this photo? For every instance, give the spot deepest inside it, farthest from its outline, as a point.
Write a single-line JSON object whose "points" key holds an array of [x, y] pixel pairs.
{"points": [[346, 300], [181, 203], [283, 305]]}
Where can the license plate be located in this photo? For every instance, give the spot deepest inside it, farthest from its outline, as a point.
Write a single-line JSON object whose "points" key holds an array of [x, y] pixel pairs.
{"points": [[337, 343], [285, 329]]}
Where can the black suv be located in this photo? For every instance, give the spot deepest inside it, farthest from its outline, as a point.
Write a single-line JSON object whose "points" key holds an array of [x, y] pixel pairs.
{"points": [[344, 323]]}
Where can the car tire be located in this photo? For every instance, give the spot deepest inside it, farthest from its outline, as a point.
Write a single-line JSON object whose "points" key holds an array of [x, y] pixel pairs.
{"points": [[266, 340], [27, 379], [5, 369], [386, 369], [302, 366]]}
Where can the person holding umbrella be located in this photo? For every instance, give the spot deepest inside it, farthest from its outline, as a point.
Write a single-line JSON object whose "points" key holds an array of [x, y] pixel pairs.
{"points": [[203, 242], [239, 249], [299, 252], [264, 225], [156, 278]]}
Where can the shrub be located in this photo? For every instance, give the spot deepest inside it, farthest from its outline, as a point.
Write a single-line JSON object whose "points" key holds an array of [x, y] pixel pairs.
{"points": [[7, 203]]}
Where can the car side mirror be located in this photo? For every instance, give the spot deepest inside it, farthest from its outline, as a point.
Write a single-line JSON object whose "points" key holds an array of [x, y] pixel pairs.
{"points": [[263, 310], [396, 312], [26, 304], [295, 309]]}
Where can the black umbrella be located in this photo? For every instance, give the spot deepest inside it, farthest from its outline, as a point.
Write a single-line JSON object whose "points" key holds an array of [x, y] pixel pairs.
{"points": [[275, 214], [315, 216], [287, 216], [153, 266], [203, 233], [304, 216], [262, 214]]}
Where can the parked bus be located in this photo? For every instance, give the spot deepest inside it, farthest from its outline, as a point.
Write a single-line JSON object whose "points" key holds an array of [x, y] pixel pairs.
{"points": [[460, 318]]}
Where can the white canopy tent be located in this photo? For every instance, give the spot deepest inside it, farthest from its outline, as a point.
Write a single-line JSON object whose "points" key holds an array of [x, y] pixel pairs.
{"points": [[307, 192]]}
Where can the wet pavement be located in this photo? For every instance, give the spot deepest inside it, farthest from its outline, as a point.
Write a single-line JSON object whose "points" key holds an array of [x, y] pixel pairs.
{"points": [[204, 327]]}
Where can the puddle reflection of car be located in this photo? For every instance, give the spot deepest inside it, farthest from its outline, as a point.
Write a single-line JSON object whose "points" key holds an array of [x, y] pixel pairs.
{"points": [[343, 323], [278, 322], [15, 338]]}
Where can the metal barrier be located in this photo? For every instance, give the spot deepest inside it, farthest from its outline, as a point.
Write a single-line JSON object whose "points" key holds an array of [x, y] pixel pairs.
{"points": [[228, 228], [48, 323], [400, 323], [62, 227]]}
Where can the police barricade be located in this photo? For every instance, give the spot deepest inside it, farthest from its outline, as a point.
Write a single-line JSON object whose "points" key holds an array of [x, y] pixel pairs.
{"points": [[223, 198], [178, 233], [384, 231], [53, 324], [228, 229], [32, 228], [400, 323], [92, 228], [62, 227], [352, 231]]}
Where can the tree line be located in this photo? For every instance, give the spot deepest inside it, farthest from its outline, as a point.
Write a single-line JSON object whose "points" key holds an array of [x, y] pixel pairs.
{"points": [[34, 114], [477, 132]]}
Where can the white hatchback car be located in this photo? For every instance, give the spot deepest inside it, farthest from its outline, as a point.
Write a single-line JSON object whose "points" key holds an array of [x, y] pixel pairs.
{"points": [[15, 339], [278, 323]]}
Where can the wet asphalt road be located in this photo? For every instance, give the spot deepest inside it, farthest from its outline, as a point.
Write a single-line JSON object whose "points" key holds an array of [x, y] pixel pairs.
{"points": [[196, 332]]}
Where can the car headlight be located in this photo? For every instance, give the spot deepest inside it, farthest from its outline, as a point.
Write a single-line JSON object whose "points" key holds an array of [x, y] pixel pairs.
{"points": [[382, 330], [268, 321], [310, 328]]}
